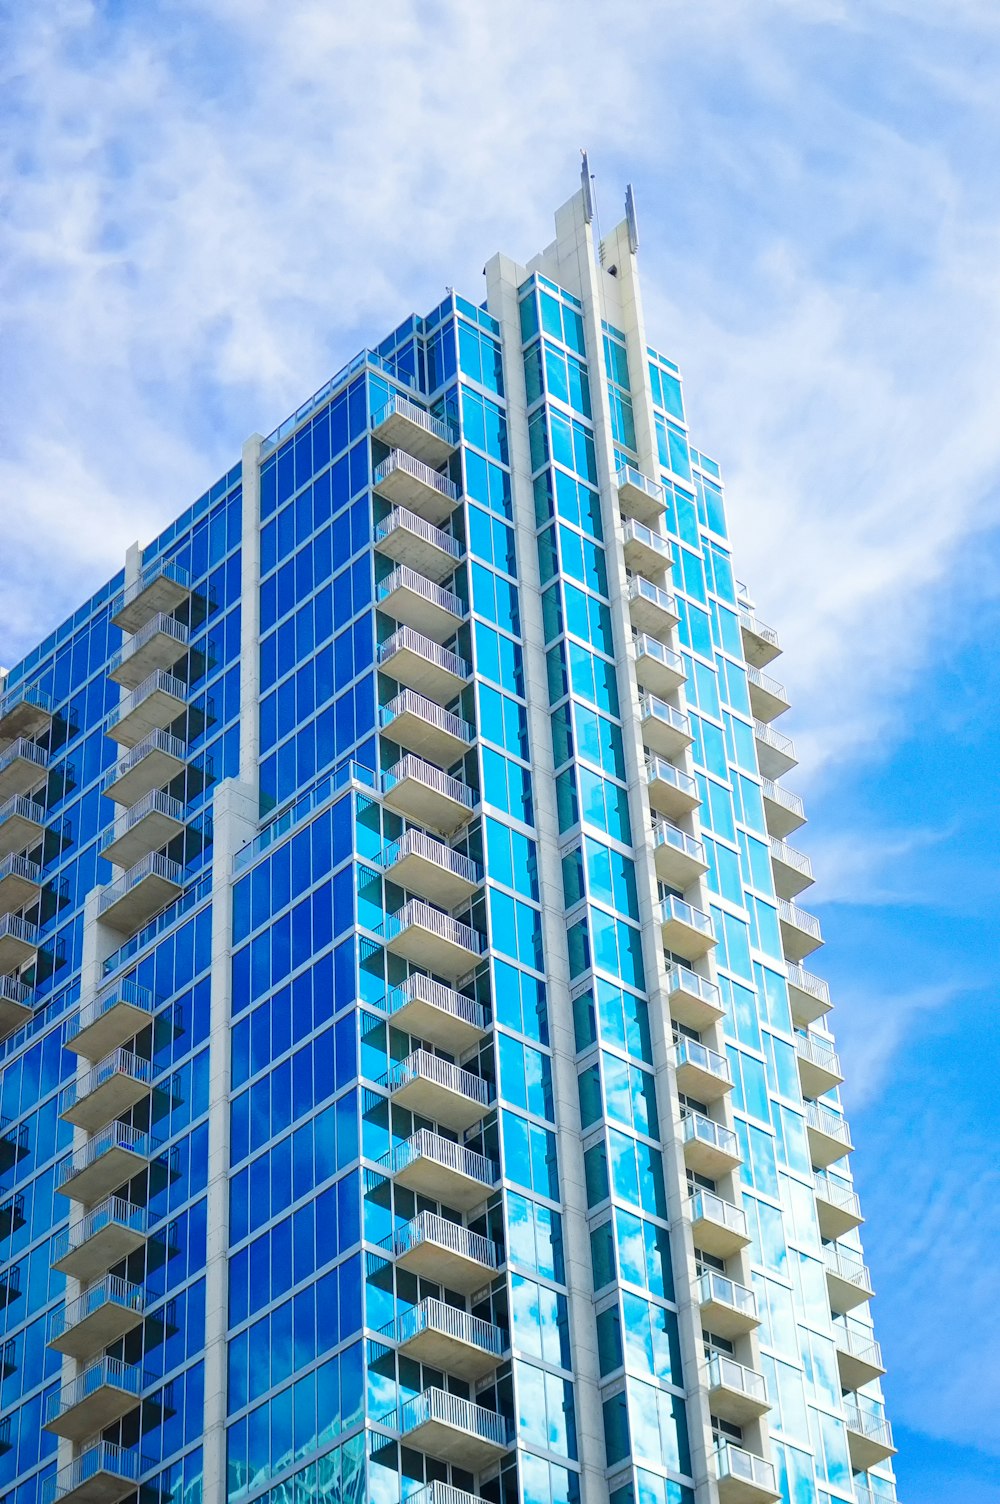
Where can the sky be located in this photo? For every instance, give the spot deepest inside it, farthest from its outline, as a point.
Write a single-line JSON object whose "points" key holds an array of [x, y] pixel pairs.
{"points": [[206, 208]]}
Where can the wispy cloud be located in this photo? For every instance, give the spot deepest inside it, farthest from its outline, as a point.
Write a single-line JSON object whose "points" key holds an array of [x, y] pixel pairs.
{"points": [[872, 867]]}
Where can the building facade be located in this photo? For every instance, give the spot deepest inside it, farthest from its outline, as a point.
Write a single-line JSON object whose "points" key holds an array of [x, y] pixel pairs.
{"points": [[411, 1085]]}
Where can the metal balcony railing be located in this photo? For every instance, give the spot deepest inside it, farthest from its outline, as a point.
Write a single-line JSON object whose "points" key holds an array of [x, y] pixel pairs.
{"points": [[705, 1130], [707, 1206], [859, 1342], [758, 629], [792, 914], [411, 766], [720, 1290], [416, 912], [674, 908], [120, 1062], [810, 1047], [432, 1315], [666, 833], [424, 1144], [418, 843], [106, 1372], [765, 682], [658, 769], [105, 1457], [158, 682], [410, 522], [451, 1410], [12, 926], [682, 979], [406, 638], [782, 852], [128, 992], [25, 694], [156, 741], [163, 569], [405, 578], [113, 1212], [693, 1052], [18, 806], [154, 803], [628, 475], [734, 1462], [111, 1290], [21, 750], [780, 795], [849, 1266], [408, 702], [19, 866], [13, 990], [652, 647], [422, 1065], [805, 981], [838, 1195], [160, 625], [866, 1423], [639, 588], [653, 706], [397, 403], [828, 1123], [772, 738], [398, 459], [421, 988], [726, 1373], [154, 865], [428, 1227], [443, 1493], [115, 1136]]}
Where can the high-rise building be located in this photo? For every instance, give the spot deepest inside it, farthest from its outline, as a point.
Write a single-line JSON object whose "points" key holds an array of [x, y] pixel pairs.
{"points": [[411, 1086]]}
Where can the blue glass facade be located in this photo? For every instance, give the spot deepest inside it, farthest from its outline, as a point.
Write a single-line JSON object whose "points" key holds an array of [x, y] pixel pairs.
{"points": [[411, 1088]]}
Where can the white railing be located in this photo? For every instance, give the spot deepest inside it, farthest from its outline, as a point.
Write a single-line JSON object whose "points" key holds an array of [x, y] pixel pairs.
{"points": [[720, 1290], [114, 1136], [653, 706], [128, 992], [810, 1047], [164, 569], [792, 914], [666, 833], [19, 866], [424, 1144], [417, 913], [156, 802], [418, 843], [782, 852], [159, 625], [828, 1123], [397, 403], [841, 1196], [693, 1052], [432, 1315], [639, 588], [21, 807], [411, 766], [153, 865], [757, 628], [865, 1494], [696, 1126], [783, 796], [25, 694], [848, 1266], [24, 751], [652, 647], [105, 1457], [451, 1410], [806, 982], [673, 907], [706, 1206], [421, 1065], [681, 979], [114, 1212], [734, 1462], [157, 741], [442, 1493], [421, 988], [112, 1290], [405, 578], [658, 769], [120, 1062], [106, 1373], [772, 738], [766, 683], [428, 1227], [628, 475], [13, 990], [401, 518], [398, 459], [158, 682], [859, 1342], [632, 528], [865, 1423], [726, 1373], [408, 702], [13, 927], [408, 639]]}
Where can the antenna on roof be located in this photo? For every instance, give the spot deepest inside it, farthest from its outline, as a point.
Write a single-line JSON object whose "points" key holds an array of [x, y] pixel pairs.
{"points": [[588, 195], [630, 219]]}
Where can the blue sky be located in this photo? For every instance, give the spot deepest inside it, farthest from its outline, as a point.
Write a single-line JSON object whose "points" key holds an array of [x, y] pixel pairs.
{"points": [[210, 205]]}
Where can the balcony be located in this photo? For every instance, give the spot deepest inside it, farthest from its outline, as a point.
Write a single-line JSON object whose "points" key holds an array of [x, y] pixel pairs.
{"points": [[426, 1009], [829, 1136], [158, 591], [111, 1158], [421, 664], [145, 889], [443, 1171], [10, 1279], [686, 930], [859, 1357], [21, 824], [800, 931], [20, 883], [728, 1309], [694, 1001], [775, 750], [453, 1429], [664, 729], [101, 1395], [157, 645], [869, 1437], [418, 725], [760, 643], [102, 1315], [847, 1278], [443, 1493], [449, 1339], [710, 1148], [735, 1393], [152, 763], [644, 549], [419, 603], [427, 795], [701, 1073], [106, 1092], [679, 859], [22, 765], [657, 668], [445, 1252], [153, 706], [428, 867], [18, 942], [671, 790], [11, 1219], [413, 541], [14, 1145], [408, 482], [808, 996], [792, 869], [95, 1243], [743, 1477], [819, 1065], [651, 609], [114, 1017], [148, 826], [439, 1090], [15, 1005], [432, 940], [103, 1474], [838, 1209], [783, 811], [767, 697], [717, 1226], [639, 496], [24, 712], [401, 424]]}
